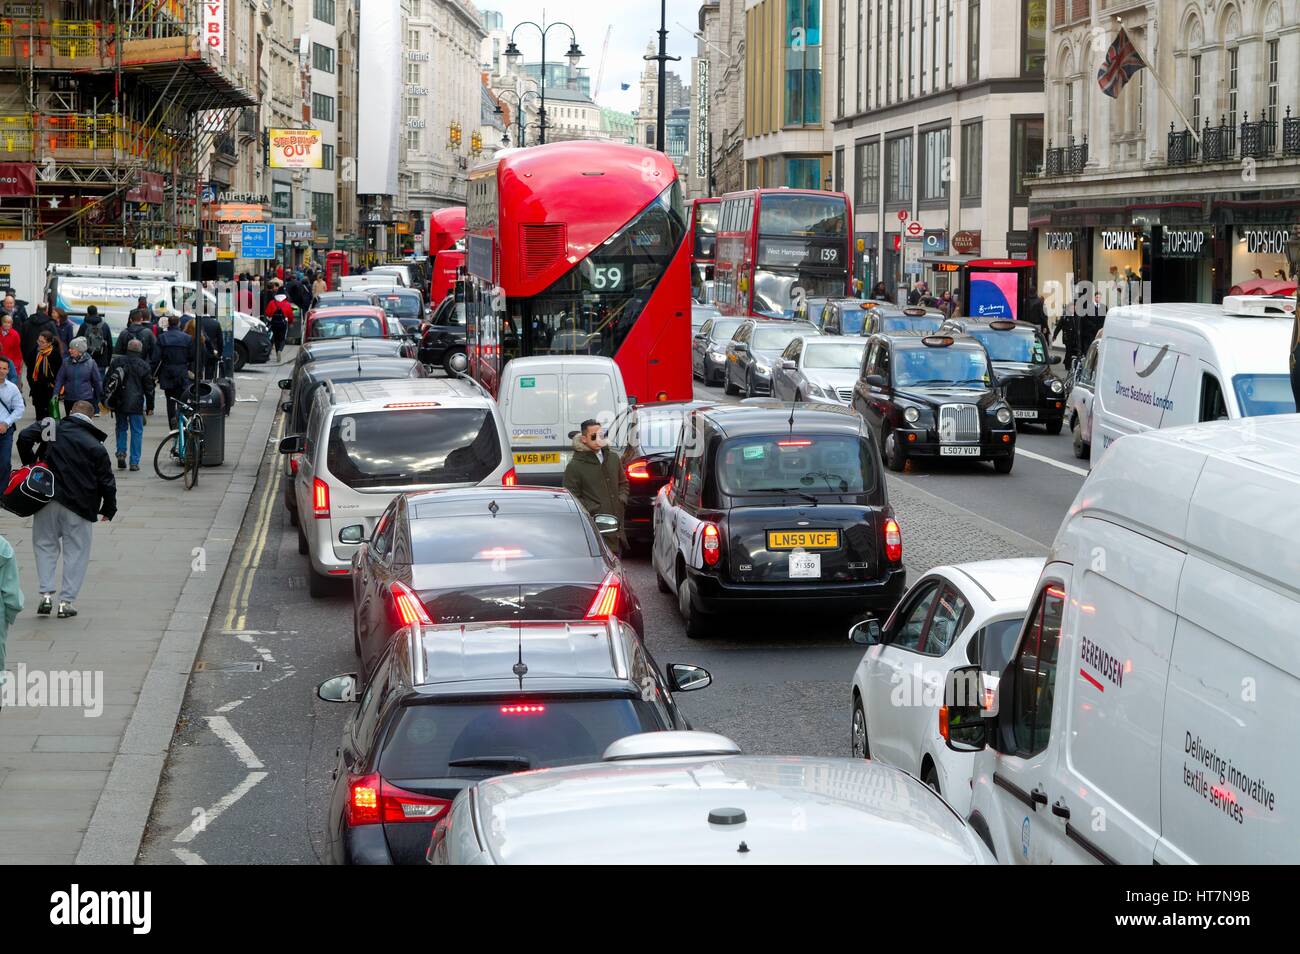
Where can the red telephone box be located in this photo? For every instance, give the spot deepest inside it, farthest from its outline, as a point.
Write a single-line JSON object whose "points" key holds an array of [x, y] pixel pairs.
{"points": [[336, 266]]}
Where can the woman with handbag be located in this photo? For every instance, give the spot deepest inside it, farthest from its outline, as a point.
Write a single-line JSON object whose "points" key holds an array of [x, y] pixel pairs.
{"points": [[42, 374]]}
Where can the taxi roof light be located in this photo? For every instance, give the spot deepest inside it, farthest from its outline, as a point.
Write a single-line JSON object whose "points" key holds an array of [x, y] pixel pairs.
{"points": [[937, 341], [1002, 324]]}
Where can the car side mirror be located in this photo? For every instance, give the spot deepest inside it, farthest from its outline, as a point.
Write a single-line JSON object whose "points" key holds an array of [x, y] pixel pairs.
{"points": [[875, 380], [660, 468], [286, 406], [293, 444], [338, 688], [606, 523], [286, 384], [683, 678], [961, 717], [866, 633], [739, 346], [788, 365]]}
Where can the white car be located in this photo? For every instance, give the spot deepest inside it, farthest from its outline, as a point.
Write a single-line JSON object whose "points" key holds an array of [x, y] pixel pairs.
{"points": [[1078, 409], [691, 798], [822, 369], [941, 624]]}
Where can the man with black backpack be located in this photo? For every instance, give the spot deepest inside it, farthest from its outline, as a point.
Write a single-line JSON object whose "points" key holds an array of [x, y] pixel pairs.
{"points": [[129, 380], [137, 329], [99, 340]]}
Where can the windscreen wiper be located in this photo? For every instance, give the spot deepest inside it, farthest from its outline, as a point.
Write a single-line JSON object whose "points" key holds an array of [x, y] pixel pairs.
{"points": [[787, 490], [491, 761]]}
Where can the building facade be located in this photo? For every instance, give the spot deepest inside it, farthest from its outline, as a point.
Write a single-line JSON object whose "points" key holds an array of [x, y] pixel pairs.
{"points": [[719, 119], [316, 26], [938, 118], [1190, 176]]}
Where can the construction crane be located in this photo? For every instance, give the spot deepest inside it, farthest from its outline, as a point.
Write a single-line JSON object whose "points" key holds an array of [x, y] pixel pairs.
{"points": [[600, 72]]}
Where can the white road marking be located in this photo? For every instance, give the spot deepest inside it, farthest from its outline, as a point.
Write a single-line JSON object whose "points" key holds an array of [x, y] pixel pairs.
{"points": [[189, 857], [1021, 452], [260, 632], [205, 820], [230, 705], [223, 730]]}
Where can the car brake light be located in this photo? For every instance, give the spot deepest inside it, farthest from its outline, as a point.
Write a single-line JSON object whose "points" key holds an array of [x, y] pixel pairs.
{"points": [[943, 722], [605, 602], [638, 470], [893, 541], [794, 443], [502, 553], [409, 405], [410, 610], [509, 478], [712, 544], [363, 800], [372, 799], [523, 709], [320, 499]]}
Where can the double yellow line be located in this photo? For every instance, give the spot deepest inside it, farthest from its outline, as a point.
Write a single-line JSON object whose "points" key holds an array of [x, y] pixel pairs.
{"points": [[239, 593]]}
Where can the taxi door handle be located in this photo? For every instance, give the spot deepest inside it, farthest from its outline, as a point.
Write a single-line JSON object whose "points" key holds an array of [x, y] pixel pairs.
{"points": [[1038, 796], [1060, 810]]}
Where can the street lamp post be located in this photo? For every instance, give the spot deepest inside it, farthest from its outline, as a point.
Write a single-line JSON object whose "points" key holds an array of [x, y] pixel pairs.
{"points": [[519, 110], [664, 59], [574, 54]]}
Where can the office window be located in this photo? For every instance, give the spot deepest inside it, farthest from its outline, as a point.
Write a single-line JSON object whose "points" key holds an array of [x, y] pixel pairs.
{"points": [[413, 74], [889, 51], [1196, 92], [972, 160], [839, 61], [803, 74], [864, 44], [911, 48], [322, 210], [920, 53], [934, 165], [322, 58], [322, 107], [1232, 84], [1026, 153], [1140, 111], [880, 56], [947, 45], [839, 169], [1033, 36], [327, 156], [1272, 80], [1069, 111], [412, 39], [323, 10], [973, 42], [866, 164], [934, 45], [413, 140], [803, 174], [898, 170], [900, 59]]}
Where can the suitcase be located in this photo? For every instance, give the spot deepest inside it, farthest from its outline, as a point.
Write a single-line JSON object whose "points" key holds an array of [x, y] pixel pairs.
{"points": [[30, 489]]}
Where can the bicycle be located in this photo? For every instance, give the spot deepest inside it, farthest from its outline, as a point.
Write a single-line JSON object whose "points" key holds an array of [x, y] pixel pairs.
{"points": [[181, 452]]}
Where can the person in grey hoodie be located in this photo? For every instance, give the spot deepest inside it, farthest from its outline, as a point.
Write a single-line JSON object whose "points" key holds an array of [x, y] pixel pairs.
{"points": [[79, 378]]}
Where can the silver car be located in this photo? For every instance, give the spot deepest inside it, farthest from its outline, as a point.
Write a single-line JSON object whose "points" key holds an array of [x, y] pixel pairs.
{"points": [[709, 348], [692, 798], [755, 350], [819, 369], [1078, 409]]}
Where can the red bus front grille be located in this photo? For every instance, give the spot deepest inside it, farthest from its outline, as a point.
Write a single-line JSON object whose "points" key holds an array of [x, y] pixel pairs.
{"points": [[543, 246]]}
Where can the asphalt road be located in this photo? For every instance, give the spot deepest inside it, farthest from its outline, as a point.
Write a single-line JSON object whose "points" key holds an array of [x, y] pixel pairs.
{"points": [[247, 780]]}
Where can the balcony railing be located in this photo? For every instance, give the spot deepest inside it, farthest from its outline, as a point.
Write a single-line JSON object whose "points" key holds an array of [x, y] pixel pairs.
{"points": [[1229, 142], [1065, 160], [225, 146]]}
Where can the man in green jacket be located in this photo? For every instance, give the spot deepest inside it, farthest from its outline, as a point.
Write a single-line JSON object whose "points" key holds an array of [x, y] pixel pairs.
{"points": [[11, 604], [595, 475]]}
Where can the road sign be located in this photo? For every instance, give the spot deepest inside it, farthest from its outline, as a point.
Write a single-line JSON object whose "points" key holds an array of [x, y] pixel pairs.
{"points": [[257, 240], [902, 215], [914, 229]]}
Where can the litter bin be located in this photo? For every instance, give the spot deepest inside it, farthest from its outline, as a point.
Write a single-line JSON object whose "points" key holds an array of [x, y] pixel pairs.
{"points": [[212, 410]]}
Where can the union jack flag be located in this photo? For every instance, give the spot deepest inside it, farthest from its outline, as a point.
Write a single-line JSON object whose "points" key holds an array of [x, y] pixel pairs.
{"points": [[1122, 61]]}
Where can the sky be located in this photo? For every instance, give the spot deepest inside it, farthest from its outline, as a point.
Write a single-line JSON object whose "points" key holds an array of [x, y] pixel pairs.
{"points": [[635, 23]]}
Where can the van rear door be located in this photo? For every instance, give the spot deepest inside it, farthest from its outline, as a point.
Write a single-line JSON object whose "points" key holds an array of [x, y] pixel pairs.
{"points": [[539, 438]]}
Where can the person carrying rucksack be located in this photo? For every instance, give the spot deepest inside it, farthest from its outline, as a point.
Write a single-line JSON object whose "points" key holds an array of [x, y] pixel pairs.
{"points": [[129, 380], [99, 340], [279, 312]]}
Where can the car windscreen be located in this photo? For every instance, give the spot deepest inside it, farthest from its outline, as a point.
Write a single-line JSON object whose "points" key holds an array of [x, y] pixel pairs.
{"points": [[436, 538], [1020, 345], [324, 327], [509, 734], [657, 431], [441, 445], [927, 325], [796, 464], [833, 354], [1263, 394], [403, 306], [775, 339], [724, 328], [922, 366]]}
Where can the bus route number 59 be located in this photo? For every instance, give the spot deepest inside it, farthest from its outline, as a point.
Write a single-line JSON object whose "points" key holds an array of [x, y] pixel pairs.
{"points": [[607, 277]]}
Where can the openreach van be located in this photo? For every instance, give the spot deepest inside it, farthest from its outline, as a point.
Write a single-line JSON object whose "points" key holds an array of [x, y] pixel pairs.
{"points": [[1166, 365], [1148, 711]]}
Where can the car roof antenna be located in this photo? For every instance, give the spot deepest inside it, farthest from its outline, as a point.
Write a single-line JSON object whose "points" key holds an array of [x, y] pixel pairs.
{"points": [[520, 669]]}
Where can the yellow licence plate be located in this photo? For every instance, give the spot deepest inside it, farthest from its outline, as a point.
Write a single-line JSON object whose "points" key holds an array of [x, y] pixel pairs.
{"points": [[803, 539], [547, 457]]}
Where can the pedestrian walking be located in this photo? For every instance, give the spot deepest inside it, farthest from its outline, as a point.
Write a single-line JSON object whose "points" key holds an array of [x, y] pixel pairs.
{"points": [[31, 332], [278, 314], [176, 350], [130, 379], [99, 340], [66, 329], [11, 595], [12, 409], [11, 347], [15, 306], [84, 489], [79, 379], [881, 293], [318, 287], [1036, 312], [595, 475], [42, 372]]}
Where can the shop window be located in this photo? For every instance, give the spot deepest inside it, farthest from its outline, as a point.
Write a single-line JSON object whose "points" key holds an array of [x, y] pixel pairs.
{"points": [[1026, 153], [898, 172], [866, 164]]}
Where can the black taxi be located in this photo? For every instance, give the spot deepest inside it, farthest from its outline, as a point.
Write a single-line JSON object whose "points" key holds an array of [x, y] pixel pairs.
{"points": [[934, 395], [869, 317], [1022, 363], [771, 505]]}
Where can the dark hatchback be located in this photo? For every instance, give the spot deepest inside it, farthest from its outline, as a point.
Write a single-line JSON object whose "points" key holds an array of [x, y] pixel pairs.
{"points": [[777, 506], [483, 554], [444, 336], [348, 347], [934, 396], [1023, 366], [449, 706], [406, 305], [645, 437], [338, 370]]}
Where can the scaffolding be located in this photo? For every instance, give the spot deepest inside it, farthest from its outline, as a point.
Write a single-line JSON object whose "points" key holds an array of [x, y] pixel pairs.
{"points": [[120, 108]]}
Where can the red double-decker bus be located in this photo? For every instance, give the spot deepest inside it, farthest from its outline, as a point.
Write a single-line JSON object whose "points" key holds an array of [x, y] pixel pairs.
{"points": [[703, 235], [577, 248], [446, 228], [778, 246]]}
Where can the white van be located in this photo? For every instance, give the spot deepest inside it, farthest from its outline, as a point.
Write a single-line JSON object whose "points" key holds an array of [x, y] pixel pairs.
{"points": [[544, 401], [1174, 364], [1147, 712]]}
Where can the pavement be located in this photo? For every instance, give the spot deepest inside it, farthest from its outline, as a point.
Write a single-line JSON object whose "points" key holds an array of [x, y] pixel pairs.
{"points": [[77, 781]]}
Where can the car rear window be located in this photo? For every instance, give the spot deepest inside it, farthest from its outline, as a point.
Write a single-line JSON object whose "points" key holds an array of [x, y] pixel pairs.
{"points": [[403, 306], [345, 326], [928, 325], [834, 354], [444, 445], [724, 328], [796, 464], [775, 339], [436, 538], [537, 731], [1019, 345]]}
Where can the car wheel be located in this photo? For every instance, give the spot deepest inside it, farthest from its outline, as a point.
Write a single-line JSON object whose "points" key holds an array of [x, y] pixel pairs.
{"points": [[696, 625], [895, 459], [859, 732], [302, 540], [727, 386], [454, 357], [930, 777], [317, 585], [1081, 449], [241, 356], [1003, 465], [1053, 427]]}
